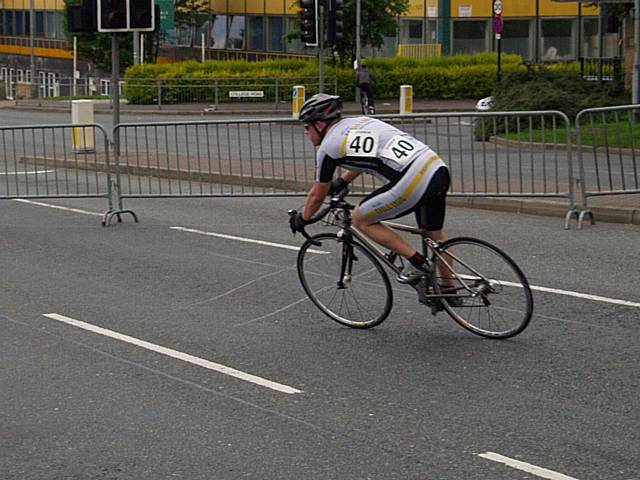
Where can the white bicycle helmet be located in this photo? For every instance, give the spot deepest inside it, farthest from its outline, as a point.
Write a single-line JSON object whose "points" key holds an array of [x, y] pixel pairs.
{"points": [[321, 106]]}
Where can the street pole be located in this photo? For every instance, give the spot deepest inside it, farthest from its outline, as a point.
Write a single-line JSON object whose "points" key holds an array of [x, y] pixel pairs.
{"points": [[358, 53], [115, 91], [636, 54], [537, 42], [498, 26], [32, 27], [75, 65], [321, 47], [136, 48]]}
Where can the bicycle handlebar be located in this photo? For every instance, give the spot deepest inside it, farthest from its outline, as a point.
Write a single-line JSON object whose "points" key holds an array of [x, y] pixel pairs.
{"points": [[319, 215]]}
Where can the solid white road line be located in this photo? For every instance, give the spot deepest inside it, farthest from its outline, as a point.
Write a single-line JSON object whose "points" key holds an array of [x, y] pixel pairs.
{"points": [[525, 467], [243, 239], [185, 357], [586, 296], [595, 298], [57, 207]]}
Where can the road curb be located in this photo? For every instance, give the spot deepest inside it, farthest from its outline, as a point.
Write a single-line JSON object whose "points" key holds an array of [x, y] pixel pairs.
{"points": [[527, 206]]}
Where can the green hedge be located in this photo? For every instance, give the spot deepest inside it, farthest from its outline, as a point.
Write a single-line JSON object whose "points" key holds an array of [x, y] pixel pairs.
{"points": [[457, 76]]}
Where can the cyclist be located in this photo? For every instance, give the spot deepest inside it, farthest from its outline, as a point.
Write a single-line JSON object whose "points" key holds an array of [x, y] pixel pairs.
{"points": [[416, 179], [366, 81]]}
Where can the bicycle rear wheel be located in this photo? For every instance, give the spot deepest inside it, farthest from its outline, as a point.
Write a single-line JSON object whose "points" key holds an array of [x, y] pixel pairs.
{"points": [[364, 102], [359, 298], [491, 296]]}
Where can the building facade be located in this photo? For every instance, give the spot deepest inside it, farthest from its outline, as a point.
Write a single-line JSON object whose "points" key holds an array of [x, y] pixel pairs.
{"points": [[536, 29]]}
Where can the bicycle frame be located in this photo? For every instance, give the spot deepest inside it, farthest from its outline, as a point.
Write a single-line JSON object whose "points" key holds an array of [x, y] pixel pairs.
{"points": [[388, 259]]}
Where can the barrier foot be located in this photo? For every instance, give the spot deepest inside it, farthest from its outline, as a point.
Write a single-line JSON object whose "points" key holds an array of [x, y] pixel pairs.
{"points": [[108, 216], [583, 214], [567, 219]]}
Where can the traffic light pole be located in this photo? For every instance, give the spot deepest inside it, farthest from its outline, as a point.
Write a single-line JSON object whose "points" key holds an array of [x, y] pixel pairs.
{"points": [[321, 31], [115, 89]]}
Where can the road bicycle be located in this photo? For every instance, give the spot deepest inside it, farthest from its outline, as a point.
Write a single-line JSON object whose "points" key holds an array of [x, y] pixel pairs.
{"points": [[367, 109], [342, 273]]}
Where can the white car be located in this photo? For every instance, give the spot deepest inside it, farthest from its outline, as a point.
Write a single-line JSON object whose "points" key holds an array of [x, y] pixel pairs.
{"points": [[484, 104]]}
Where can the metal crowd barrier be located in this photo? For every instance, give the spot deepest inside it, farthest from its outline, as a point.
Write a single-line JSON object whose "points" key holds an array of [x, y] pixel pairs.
{"points": [[55, 161], [526, 157], [607, 143]]}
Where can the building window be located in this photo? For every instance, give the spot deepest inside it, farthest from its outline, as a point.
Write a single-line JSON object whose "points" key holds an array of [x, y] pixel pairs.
{"points": [[59, 21], [40, 24], [203, 27], [275, 34], [515, 37], [410, 31], [256, 33], [8, 22], [556, 39], [219, 31], [236, 32], [296, 44], [469, 36], [432, 31], [19, 24]]}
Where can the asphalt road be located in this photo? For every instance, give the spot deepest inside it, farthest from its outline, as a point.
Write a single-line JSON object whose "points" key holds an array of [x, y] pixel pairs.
{"points": [[418, 397]]}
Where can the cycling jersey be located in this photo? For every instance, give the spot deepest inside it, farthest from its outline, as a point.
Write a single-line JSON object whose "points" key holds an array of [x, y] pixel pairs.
{"points": [[405, 164], [368, 144]]}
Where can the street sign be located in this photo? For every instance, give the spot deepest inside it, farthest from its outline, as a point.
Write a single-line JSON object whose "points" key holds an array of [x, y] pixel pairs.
{"points": [[498, 24], [167, 18]]}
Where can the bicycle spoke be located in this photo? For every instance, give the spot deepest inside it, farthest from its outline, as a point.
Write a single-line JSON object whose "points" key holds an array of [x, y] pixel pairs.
{"points": [[491, 296]]}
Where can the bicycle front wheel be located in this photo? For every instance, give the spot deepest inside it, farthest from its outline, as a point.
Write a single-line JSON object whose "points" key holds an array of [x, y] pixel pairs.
{"points": [[345, 281], [490, 295]]}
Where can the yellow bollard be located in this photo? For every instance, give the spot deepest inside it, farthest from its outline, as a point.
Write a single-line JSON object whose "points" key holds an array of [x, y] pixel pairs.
{"points": [[82, 114], [406, 99], [298, 100]]}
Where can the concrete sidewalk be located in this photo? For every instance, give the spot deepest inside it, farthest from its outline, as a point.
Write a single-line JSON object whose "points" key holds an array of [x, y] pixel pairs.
{"points": [[283, 108]]}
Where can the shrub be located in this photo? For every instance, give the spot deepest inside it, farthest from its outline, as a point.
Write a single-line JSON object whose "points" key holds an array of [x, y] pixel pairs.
{"points": [[457, 76], [559, 87]]}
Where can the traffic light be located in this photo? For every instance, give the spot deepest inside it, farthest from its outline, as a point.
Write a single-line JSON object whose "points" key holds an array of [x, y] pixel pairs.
{"points": [[309, 22], [126, 16], [82, 18], [112, 15], [141, 13], [335, 27]]}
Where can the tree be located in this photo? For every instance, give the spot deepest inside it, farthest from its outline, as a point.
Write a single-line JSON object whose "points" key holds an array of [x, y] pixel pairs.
{"points": [[187, 14], [377, 19]]}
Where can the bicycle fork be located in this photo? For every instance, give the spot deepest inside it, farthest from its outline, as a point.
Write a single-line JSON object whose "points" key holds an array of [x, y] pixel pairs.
{"points": [[346, 261]]}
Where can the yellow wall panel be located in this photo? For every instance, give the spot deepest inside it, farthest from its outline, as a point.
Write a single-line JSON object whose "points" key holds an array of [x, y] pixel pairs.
{"points": [[478, 9], [276, 7], [255, 6], [511, 8], [416, 9], [218, 6], [291, 6], [235, 6]]}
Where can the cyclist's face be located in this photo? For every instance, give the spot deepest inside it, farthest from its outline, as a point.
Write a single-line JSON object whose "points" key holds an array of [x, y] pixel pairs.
{"points": [[312, 133]]}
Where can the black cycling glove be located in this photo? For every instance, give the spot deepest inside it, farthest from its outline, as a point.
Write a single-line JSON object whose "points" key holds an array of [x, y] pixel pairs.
{"points": [[337, 185], [297, 223]]}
